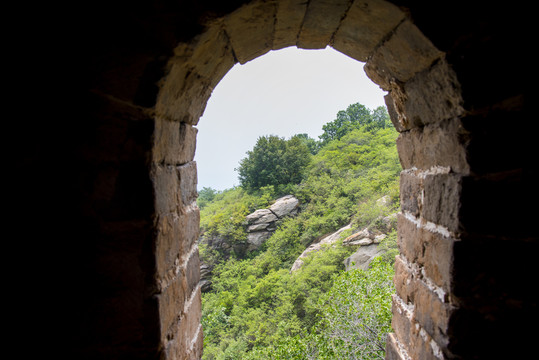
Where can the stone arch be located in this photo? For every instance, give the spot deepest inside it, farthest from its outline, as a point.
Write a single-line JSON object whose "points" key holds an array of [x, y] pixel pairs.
{"points": [[123, 177], [425, 105]]}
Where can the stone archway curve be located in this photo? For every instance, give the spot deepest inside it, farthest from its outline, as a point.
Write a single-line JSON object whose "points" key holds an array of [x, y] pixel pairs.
{"points": [[424, 102]]}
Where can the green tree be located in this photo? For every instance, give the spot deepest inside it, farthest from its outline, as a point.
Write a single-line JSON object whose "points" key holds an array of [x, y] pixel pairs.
{"points": [[274, 161], [311, 143], [205, 196], [356, 312], [354, 117]]}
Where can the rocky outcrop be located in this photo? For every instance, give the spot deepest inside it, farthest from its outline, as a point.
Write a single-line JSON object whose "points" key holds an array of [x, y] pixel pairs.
{"points": [[327, 240], [366, 239], [362, 257], [261, 224]]}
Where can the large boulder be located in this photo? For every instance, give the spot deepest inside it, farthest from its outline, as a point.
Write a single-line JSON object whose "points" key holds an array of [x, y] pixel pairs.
{"points": [[362, 257], [327, 240], [285, 206], [261, 224]]}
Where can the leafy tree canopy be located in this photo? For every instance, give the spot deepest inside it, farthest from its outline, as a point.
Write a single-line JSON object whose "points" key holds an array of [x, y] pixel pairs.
{"points": [[274, 161], [354, 117]]}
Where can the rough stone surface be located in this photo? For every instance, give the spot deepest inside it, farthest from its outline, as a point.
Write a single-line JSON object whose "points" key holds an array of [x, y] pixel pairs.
{"points": [[365, 25], [320, 23], [325, 241], [290, 14], [432, 95], [441, 144], [250, 30], [362, 257], [287, 205], [403, 55], [130, 94], [263, 222]]}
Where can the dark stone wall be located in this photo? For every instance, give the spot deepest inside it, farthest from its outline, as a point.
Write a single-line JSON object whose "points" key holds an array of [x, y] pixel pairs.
{"points": [[85, 201]]}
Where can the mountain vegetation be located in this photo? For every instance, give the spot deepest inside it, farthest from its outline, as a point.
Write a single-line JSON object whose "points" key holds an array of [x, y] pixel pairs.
{"points": [[256, 308]]}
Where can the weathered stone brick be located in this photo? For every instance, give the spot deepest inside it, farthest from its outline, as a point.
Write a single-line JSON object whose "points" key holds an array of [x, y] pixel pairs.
{"points": [[176, 236], [403, 55], [411, 193], [250, 29], [187, 180], [394, 115], [190, 225], [393, 348], [187, 329], [432, 95], [166, 188], [187, 140], [183, 95], [290, 14], [212, 56], [401, 322], [190, 273], [174, 142], [432, 252], [168, 247], [431, 313], [441, 203], [441, 144], [320, 23], [366, 23], [171, 304]]}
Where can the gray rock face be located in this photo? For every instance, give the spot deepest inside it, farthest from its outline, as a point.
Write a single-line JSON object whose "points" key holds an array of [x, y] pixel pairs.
{"points": [[287, 205], [263, 222], [330, 239], [362, 257]]}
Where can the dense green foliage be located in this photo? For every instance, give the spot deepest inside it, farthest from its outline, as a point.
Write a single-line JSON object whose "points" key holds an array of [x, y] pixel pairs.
{"points": [[354, 319], [274, 161], [354, 117], [257, 308]]}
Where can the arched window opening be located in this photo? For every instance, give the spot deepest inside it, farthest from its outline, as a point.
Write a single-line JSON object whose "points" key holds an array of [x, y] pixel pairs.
{"points": [[287, 253]]}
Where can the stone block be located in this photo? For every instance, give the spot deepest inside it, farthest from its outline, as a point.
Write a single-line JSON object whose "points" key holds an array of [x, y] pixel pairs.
{"points": [[320, 23], [432, 252], [410, 338], [431, 313], [187, 140], [212, 56], [166, 189], [394, 350], [401, 321], [187, 180], [176, 236], [190, 225], [189, 326], [441, 201], [289, 17], [171, 303], [250, 30], [190, 273], [168, 247], [365, 25], [403, 55], [393, 113], [183, 95], [411, 193], [174, 142], [432, 95], [441, 144]]}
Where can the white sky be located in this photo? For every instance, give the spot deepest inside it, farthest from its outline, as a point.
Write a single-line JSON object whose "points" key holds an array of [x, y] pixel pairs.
{"points": [[283, 93]]}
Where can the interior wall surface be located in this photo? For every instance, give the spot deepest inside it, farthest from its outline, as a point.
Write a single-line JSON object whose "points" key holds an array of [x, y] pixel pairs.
{"points": [[125, 178]]}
